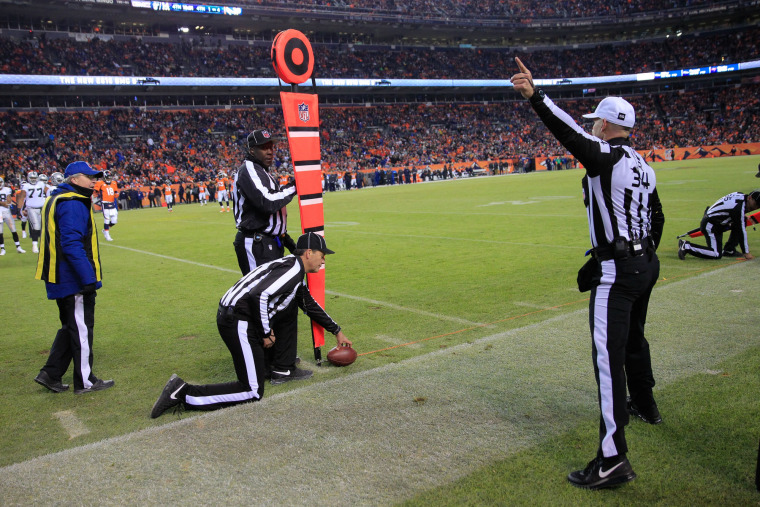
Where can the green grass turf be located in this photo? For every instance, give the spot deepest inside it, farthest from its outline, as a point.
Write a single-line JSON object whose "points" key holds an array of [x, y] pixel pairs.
{"points": [[434, 264]]}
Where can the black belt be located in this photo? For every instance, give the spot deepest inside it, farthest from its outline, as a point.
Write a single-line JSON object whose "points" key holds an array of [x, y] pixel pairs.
{"points": [[250, 234], [623, 249]]}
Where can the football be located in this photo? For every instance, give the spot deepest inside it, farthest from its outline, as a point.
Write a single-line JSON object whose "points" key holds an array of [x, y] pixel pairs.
{"points": [[341, 356]]}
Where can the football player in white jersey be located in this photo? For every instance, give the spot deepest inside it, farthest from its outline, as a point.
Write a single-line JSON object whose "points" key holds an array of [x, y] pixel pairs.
{"points": [[32, 197], [6, 218], [46, 181], [56, 179]]}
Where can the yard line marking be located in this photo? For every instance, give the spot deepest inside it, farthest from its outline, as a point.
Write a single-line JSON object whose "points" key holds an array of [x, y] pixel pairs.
{"points": [[332, 293], [421, 236], [532, 305], [167, 257], [71, 423], [406, 309], [467, 213], [488, 324]]}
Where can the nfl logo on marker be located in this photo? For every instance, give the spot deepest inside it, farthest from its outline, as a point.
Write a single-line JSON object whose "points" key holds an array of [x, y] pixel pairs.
{"points": [[303, 111]]}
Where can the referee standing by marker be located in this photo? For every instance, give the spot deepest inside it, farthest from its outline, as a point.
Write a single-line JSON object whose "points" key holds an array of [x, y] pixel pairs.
{"points": [[261, 218], [625, 224]]}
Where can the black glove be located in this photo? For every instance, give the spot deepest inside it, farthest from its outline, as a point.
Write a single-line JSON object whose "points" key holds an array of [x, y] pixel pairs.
{"points": [[89, 289], [291, 182], [288, 242]]}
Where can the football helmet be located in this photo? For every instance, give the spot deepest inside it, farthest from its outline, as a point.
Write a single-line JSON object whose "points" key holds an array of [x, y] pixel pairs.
{"points": [[44, 178], [107, 177], [56, 179], [2, 182], [32, 177], [222, 174]]}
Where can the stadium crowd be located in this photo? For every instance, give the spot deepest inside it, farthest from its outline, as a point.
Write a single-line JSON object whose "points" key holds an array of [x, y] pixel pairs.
{"points": [[193, 58], [150, 146], [513, 9]]}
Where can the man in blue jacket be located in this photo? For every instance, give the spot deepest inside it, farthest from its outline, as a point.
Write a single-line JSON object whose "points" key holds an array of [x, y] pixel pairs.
{"points": [[69, 263]]}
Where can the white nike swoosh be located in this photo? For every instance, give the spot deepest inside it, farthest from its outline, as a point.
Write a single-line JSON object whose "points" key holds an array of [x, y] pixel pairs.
{"points": [[604, 474], [174, 397], [281, 372]]}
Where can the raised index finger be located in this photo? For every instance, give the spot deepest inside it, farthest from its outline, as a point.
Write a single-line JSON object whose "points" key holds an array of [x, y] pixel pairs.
{"points": [[522, 67]]}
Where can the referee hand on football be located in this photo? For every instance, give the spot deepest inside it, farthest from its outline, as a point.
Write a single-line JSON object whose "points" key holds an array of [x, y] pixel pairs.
{"points": [[342, 340], [523, 80]]}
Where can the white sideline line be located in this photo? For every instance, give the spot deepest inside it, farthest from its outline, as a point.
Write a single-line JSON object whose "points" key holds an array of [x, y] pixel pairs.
{"points": [[71, 423], [332, 293]]}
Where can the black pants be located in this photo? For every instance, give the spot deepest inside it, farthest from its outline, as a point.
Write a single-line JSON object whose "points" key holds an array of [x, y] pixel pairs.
{"points": [[620, 352], [713, 235], [253, 251], [247, 351], [74, 340]]}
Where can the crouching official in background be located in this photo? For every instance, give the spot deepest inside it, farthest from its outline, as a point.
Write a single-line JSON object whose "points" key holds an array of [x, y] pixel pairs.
{"points": [[625, 225], [69, 263], [727, 214], [244, 320]]}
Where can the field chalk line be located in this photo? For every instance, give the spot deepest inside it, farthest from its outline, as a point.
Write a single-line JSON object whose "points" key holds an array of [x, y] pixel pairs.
{"points": [[332, 293], [71, 423]]}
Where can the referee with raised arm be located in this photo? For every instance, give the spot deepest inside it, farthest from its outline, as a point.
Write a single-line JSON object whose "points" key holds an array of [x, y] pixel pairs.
{"points": [[625, 224], [261, 217]]}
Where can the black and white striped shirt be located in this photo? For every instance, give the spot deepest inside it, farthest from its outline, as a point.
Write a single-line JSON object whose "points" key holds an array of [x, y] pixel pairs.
{"points": [[259, 202], [728, 214], [269, 289], [621, 191]]}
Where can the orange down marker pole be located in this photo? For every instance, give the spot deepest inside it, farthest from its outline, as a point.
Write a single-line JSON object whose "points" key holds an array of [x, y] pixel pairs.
{"points": [[293, 61]]}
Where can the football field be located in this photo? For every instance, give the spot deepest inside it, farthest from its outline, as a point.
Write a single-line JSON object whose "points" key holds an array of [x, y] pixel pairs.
{"points": [[474, 383]]}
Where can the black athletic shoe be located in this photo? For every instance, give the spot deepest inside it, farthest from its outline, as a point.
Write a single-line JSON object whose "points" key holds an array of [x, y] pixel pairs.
{"points": [[731, 253], [681, 249], [44, 379], [649, 414], [169, 397], [98, 385], [280, 377], [599, 475]]}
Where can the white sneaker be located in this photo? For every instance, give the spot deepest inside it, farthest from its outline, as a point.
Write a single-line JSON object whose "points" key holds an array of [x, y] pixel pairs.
{"points": [[20, 250], [107, 235], [34, 248], [2, 252], [23, 234]]}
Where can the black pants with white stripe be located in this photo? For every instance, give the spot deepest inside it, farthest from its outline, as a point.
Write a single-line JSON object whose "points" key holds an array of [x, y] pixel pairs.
{"points": [[251, 254], [620, 352], [713, 234], [74, 340], [245, 346]]}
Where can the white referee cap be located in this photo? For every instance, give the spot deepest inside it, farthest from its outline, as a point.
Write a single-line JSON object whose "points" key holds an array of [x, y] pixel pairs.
{"points": [[615, 110]]}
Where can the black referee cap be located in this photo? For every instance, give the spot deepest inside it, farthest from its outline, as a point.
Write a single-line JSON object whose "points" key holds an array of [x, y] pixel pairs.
{"points": [[259, 138], [313, 241], [755, 195]]}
